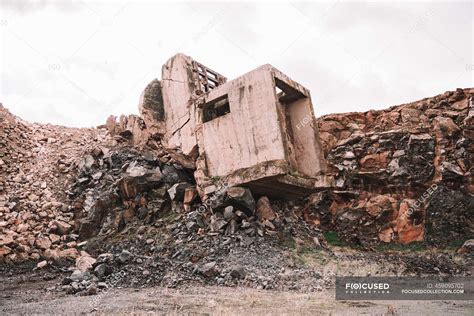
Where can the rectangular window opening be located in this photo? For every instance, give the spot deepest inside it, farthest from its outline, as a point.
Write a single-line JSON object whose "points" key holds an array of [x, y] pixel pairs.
{"points": [[216, 108]]}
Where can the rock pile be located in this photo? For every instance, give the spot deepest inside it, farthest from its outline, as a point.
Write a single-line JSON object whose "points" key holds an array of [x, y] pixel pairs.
{"points": [[116, 187], [117, 208], [36, 163]]}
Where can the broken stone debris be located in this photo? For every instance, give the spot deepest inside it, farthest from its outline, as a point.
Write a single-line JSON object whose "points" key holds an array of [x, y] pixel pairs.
{"points": [[66, 185]]}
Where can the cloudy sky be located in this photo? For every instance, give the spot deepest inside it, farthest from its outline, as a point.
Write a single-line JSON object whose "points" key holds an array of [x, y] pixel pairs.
{"points": [[75, 62]]}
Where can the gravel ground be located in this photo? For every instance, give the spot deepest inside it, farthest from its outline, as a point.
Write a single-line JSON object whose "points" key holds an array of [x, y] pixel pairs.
{"points": [[32, 297]]}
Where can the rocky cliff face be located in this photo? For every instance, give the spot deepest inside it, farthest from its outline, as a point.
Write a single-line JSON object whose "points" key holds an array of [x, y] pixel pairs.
{"points": [[404, 174]]}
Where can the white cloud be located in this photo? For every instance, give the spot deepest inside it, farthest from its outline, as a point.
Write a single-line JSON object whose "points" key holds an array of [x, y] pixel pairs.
{"points": [[76, 63]]}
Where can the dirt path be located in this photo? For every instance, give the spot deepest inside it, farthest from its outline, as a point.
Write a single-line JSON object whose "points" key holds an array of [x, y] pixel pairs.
{"points": [[31, 296]]}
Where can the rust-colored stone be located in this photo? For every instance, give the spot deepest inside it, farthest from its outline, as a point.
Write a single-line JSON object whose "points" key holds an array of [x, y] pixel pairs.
{"points": [[373, 161], [264, 209]]}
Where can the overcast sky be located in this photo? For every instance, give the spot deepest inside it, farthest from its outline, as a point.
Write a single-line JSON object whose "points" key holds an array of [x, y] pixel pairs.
{"points": [[76, 62]]}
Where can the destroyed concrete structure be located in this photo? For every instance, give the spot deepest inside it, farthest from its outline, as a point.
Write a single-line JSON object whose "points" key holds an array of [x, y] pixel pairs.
{"points": [[258, 130], [115, 206]]}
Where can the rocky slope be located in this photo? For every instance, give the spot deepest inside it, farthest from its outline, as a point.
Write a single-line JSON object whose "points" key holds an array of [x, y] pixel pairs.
{"points": [[118, 209]]}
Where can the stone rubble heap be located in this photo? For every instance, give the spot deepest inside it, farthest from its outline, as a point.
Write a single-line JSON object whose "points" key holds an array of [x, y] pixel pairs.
{"points": [[36, 162]]}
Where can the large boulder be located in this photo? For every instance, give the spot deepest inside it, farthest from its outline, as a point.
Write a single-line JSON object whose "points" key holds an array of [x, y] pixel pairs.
{"points": [[137, 179]]}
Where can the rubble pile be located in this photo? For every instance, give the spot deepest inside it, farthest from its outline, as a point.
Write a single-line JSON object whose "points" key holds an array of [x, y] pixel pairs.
{"points": [[182, 248], [404, 174], [141, 208], [36, 165], [113, 207]]}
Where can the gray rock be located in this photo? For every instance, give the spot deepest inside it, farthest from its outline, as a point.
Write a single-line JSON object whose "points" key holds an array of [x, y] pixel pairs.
{"points": [[176, 192], [348, 155], [451, 171], [232, 227], [171, 175], [191, 225], [216, 223], [238, 272], [241, 198], [86, 164], [124, 256], [398, 153], [105, 257], [151, 104], [97, 175], [75, 286], [136, 171], [228, 213], [102, 270], [209, 269], [142, 212], [78, 276]]}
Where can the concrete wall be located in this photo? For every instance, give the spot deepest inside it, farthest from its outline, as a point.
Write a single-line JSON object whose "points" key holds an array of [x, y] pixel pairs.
{"points": [[178, 86], [301, 136], [250, 134]]}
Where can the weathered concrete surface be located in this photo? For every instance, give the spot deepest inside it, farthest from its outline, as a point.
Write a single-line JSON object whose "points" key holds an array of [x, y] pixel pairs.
{"points": [[250, 134], [178, 87], [277, 135]]}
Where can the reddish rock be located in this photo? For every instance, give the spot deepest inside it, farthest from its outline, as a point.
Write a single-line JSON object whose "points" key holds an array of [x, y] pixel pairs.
{"points": [[407, 231], [128, 215], [54, 238], [6, 240], [467, 247], [329, 126], [445, 125], [4, 251], [42, 264], [190, 195], [264, 209], [386, 235], [70, 253], [62, 228], [373, 161], [407, 236], [380, 203], [43, 242], [85, 262]]}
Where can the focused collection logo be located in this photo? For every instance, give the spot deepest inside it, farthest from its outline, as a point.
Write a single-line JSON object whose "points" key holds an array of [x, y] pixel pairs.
{"points": [[405, 288], [367, 288]]}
